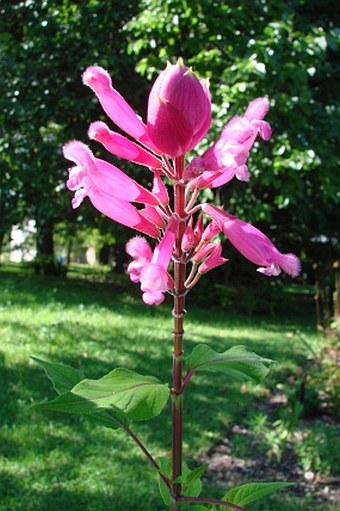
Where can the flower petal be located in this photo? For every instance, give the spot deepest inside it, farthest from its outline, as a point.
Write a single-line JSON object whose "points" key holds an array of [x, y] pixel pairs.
{"points": [[121, 146], [122, 212], [257, 109], [104, 175], [115, 106]]}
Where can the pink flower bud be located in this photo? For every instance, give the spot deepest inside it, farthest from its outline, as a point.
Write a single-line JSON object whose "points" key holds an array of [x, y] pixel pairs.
{"points": [[199, 229], [115, 106], [159, 189], [189, 238], [203, 252], [213, 260], [179, 110], [211, 231], [151, 213]]}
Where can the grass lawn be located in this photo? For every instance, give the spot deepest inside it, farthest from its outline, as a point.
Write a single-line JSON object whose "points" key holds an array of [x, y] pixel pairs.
{"points": [[54, 462]]}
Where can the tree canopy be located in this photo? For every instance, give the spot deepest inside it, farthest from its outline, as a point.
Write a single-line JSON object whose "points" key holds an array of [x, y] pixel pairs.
{"points": [[285, 50]]}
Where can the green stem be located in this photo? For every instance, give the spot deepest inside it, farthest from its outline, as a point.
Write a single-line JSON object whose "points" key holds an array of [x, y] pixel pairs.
{"points": [[178, 331]]}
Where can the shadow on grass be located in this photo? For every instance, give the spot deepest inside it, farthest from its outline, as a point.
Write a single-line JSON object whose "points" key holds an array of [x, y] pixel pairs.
{"points": [[48, 457]]}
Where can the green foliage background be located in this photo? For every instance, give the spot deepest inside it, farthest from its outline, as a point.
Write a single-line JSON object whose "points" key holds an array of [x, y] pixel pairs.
{"points": [[286, 50]]}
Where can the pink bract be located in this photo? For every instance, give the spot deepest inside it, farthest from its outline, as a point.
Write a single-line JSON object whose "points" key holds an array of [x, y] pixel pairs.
{"points": [[179, 110]]}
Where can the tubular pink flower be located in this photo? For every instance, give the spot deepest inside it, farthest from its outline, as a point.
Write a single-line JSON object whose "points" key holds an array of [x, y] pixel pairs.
{"points": [[203, 252], [213, 260], [108, 188], [151, 213], [154, 279], [210, 231], [189, 238], [253, 244], [151, 269], [103, 175], [159, 189], [115, 106], [179, 110], [257, 109], [226, 158], [121, 146], [140, 250]]}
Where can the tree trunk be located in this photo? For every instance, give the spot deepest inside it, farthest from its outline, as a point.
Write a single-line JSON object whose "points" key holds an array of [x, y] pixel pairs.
{"points": [[120, 258], [2, 235], [105, 254], [44, 262]]}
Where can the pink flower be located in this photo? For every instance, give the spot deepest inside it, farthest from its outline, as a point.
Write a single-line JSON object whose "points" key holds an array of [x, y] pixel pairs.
{"points": [[108, 188], [179, 110], [179, 114], [121, 146], [192, 236], [152, 214], [189, 239], [140, 250], [159, 189], [114, 105], [226, 158], [178, 117], [151, 270], [213, 260], [253, 244], [210, 231]]}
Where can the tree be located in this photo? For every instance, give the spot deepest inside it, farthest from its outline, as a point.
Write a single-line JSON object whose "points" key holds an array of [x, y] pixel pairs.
{"points": [[45, 46], [285, 50]]}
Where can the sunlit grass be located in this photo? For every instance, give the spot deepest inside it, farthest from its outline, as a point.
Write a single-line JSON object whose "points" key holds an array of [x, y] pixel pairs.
{"points": [[53, 462]]}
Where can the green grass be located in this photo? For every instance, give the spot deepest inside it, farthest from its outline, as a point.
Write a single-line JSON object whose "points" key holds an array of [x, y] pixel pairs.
{"points": [[54, 462]]}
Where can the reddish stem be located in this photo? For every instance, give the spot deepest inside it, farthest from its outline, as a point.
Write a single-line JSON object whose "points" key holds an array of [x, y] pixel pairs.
{"points": [[186, 379], [206, 500], [178, 331]]}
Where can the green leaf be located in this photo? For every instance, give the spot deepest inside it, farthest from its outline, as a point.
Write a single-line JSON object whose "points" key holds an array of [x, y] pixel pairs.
{"points": [[63, 377], [247, 493], [165, 468], [196, 474], [190, 479], [113, 418], [237, 362], [139, 397], [193, 488]]}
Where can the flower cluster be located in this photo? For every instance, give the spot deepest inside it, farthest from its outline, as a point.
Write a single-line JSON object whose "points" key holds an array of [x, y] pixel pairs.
{"points": [[178, 118]]}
